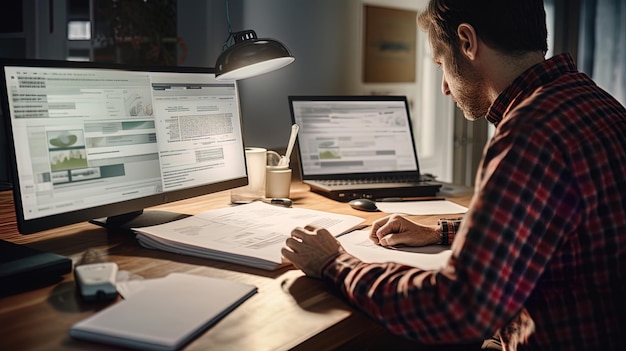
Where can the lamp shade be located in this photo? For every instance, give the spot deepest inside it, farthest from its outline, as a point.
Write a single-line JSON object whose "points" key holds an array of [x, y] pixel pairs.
{"points": [[250, 56]]}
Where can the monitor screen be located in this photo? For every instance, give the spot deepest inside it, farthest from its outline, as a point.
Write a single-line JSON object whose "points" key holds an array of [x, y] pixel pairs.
{"points": [[89, 140]]}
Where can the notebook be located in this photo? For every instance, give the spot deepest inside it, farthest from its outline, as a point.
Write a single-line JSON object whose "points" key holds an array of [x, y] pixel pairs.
{"points": [[358, 147], [165, 314]]}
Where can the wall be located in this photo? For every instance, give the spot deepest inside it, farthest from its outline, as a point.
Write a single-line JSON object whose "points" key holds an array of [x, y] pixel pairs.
{"points": [[315, 33], [326, 38], [202, 26]]}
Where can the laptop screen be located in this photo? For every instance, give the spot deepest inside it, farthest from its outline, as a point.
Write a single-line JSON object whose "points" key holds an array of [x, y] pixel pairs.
{"points": [[342, 135]]}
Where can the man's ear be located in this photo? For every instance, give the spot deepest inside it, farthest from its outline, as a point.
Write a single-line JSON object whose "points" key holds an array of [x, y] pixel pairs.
{"points": [[468, 40]]}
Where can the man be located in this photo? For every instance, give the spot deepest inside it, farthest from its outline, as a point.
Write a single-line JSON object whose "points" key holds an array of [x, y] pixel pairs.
{"points": [[540, 257]]}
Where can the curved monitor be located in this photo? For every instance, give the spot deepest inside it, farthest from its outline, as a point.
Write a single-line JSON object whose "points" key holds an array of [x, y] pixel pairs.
{"points": [[90, 140]]}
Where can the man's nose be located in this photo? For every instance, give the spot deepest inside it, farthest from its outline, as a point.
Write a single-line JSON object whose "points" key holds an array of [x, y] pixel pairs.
{"points": [[445, 89]]}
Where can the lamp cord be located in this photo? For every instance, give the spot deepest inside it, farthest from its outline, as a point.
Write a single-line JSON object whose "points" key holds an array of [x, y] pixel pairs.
{"points": [[230, 37]]}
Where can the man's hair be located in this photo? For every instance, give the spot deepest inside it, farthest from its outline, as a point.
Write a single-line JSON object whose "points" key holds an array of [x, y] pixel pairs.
{"points": [[510, 26]]}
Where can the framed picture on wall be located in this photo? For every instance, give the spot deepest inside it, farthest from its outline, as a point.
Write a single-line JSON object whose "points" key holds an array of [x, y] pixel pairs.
{"points": [[389, 45]]}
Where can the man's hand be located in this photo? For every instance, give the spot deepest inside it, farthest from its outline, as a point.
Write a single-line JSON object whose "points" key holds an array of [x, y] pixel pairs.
{"points": [[396, 230], [310, 248]]}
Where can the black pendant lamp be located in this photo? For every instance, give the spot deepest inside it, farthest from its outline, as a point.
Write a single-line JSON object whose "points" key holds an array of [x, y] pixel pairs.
{"points": [[250, 56]]}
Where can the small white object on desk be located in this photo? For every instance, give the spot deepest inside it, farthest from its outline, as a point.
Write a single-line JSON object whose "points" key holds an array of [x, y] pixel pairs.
{"points": [[96, 281]]}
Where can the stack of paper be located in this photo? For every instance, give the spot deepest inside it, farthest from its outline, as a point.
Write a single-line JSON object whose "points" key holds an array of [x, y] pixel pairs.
{"points": [[164, 314], [251, 234]]}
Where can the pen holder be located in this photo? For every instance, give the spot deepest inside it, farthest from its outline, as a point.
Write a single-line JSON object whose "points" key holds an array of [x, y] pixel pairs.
{"points": [[277, 178], [277, 181]]}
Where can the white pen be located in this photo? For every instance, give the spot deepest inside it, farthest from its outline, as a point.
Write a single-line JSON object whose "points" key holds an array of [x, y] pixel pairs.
{"points": [[284, 161]]}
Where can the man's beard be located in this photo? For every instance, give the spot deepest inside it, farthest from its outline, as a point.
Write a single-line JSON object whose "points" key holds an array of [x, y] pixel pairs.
{"points": [[471, 96]]}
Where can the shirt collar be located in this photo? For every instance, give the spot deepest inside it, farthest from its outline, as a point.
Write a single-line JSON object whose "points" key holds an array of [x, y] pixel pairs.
{"points": [[534, 77]]}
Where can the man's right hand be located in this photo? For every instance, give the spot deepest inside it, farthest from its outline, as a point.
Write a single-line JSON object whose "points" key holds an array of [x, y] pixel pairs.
{"points": [[398, 230]]}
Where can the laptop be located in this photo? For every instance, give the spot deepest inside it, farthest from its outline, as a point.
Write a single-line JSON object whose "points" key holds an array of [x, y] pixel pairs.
{"points": [[353, 147]]}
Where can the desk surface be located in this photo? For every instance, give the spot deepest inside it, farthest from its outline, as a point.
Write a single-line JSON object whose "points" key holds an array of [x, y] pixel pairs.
{"points": [[290, 311]]}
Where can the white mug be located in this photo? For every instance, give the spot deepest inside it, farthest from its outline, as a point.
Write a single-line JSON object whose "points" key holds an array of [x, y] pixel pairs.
{"points": [[255, 163]]}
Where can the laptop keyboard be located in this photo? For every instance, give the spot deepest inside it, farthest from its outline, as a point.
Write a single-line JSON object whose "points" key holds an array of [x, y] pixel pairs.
{"points": [[335, 182]]}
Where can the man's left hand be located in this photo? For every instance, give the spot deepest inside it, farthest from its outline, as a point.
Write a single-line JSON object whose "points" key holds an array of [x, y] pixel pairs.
{"points": [[310, 248]]}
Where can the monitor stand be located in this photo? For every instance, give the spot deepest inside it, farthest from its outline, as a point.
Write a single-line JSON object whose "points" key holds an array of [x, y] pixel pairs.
{"points": [[138, 219]]}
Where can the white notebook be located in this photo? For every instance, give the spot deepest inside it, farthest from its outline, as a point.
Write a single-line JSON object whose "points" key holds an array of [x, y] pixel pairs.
{"points": [[167, 314]]}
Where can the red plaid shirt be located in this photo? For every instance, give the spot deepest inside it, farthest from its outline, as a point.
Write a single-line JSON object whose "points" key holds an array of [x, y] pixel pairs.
{"points": [[545, 230]]}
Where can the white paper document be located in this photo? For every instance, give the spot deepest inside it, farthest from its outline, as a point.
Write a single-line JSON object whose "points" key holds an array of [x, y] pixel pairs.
{"points": [[421, 208], [360, 246], [164, 313], [251, 234]]}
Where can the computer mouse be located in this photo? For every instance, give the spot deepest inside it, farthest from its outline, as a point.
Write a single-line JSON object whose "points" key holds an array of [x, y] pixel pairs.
{"points": [[363, 205]]}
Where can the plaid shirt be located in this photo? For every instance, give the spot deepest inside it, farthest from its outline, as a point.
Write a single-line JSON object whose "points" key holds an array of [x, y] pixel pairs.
{"points": [[545, 230]]}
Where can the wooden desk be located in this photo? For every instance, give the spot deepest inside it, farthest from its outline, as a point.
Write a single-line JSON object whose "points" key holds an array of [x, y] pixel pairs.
{"points": [[290, 311]]}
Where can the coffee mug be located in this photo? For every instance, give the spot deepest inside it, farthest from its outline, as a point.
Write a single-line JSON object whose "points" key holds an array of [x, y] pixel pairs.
{"points": [[255, 163]]}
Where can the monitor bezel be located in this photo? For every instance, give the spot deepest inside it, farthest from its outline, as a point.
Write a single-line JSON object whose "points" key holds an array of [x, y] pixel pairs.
{"points": [[29, 226]]}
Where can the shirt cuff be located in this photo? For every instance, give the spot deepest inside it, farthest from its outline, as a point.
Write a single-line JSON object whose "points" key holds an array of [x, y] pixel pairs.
{"points": [[449, 227]]}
